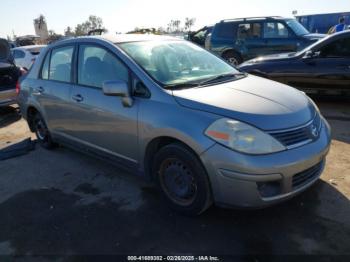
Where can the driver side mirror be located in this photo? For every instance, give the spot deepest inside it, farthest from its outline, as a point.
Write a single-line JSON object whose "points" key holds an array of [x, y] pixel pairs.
{"points": [[118, 88]]}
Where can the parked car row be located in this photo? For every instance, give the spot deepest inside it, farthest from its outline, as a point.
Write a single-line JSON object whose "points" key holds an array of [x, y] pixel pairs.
{"points": [[281, 49]]}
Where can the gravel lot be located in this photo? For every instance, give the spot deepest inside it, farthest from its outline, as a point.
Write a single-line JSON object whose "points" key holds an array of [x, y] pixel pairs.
{"points": [[64, 203]]}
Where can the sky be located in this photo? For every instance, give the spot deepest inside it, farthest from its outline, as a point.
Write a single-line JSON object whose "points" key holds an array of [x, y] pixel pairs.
{"points": [[124, 15]]}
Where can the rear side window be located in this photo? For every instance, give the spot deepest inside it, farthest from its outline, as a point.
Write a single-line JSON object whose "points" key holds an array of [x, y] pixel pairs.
{"points": [[226, 30], [248, 31], [18, 54], [61, 64], [97, 65]]}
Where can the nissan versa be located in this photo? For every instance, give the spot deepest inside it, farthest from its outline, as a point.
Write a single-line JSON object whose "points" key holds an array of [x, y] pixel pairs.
{"points": [[171, 111]]}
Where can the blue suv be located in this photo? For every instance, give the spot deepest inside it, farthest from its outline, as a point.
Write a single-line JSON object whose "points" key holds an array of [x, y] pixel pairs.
{"points": [[241, 39]]}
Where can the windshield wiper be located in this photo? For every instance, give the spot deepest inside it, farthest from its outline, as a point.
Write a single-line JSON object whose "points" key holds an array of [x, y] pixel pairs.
{"points": [[221, 77], [182, 85]]}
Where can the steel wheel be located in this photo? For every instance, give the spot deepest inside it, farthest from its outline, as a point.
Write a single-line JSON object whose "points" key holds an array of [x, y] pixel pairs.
{"points": [[178, 181]]}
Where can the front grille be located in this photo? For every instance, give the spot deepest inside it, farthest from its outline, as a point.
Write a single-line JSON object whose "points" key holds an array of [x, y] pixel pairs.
{"points": [[307, 176], [298, 136]]}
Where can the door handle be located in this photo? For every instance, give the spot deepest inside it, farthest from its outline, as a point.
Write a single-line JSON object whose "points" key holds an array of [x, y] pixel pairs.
{"points": [[39, 90], [78, 98]]}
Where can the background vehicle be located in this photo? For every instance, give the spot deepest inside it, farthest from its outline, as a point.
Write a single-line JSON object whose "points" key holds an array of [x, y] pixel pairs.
{"points": [[241, 39], [9, 74], [321, 68], [321, 23], [245, 141], [200, 35], [25, 56]]}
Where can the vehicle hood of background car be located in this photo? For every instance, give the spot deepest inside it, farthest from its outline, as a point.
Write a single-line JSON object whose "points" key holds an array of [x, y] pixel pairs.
{"points": [[314, 36], [274, 57], [263, 103], [5, 52]]}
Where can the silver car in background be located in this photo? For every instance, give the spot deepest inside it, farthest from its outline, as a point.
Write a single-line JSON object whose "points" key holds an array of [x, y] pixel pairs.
{"points": [[25, 56], [171, 111]]}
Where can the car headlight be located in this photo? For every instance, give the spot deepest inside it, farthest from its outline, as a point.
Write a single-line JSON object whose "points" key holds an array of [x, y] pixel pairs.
{"points": [[242, 137]]}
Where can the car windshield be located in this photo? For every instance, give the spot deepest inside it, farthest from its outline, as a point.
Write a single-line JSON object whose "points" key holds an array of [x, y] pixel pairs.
{"points": [[297, 28], [176, 63]]}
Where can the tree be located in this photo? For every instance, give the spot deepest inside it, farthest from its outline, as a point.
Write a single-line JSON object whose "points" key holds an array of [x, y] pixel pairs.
{"points": [[68, 32], [189, 22], [53, 36], [92, 23]]}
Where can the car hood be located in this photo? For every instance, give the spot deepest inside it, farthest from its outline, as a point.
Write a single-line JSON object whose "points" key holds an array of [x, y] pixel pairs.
{"points": [[263, 103], [274, 57], [314, 36], [5, 52]]}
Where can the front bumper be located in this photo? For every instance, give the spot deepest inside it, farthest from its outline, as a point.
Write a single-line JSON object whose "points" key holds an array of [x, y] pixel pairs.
{"points": [[256, 181]]}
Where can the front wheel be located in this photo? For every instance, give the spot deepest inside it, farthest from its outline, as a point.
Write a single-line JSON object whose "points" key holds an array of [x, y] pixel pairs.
{"points": [[182, 179]]}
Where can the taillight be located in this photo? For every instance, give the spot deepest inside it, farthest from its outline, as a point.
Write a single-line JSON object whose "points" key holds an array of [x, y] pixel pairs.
{"points": [[18, 88]]}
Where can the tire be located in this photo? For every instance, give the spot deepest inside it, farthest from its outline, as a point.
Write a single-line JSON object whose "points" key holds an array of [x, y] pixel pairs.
{"points": [[233, 58], [42, 133], [182, 179]]}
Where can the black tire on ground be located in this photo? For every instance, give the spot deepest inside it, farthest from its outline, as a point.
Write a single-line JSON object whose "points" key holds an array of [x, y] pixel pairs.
{"points": [[182, 179], [42, 133], [233, 58]]}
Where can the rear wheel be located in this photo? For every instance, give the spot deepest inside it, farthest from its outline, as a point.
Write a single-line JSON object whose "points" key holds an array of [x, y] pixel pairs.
{"points": [[42, 133], [233, 58], [182, 179]]}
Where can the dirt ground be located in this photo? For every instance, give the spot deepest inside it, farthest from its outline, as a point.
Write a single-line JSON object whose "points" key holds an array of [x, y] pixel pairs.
{"points": [[64, 203]]}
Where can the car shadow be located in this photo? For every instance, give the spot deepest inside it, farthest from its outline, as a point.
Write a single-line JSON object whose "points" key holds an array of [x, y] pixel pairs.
{"points": [[52, 222], [9, 115]]}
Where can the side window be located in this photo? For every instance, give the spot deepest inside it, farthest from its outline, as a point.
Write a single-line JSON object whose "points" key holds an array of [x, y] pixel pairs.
{"points": [[18, 54], [247, 31], [339, 48], [61, 64], [96, 65], [275, 30], [226, 30], [45, 67]]}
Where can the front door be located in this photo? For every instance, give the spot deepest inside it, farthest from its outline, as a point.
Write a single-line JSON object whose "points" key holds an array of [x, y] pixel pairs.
{"points": [[98, 121], [278, 38], [328, 72]]}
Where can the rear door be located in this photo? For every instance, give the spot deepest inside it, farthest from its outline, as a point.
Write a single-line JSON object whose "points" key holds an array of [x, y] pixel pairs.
{"points": [[249, 38], [52, 89], [278, 38], [98, 121]]}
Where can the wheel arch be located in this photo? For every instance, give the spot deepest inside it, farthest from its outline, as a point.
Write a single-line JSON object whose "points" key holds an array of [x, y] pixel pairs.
{"points": [[155, 145]]}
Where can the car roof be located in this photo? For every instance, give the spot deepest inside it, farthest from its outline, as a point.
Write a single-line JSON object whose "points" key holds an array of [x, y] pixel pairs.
{"points": [[255, 18], [120, 38]]}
